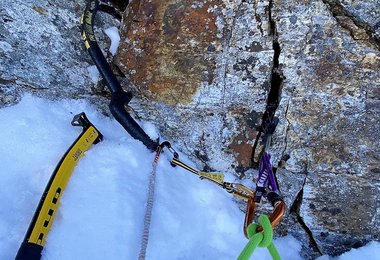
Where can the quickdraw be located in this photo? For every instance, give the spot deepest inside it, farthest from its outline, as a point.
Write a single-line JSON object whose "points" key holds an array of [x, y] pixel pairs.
{"points": [[236, 189], [266, 186]]}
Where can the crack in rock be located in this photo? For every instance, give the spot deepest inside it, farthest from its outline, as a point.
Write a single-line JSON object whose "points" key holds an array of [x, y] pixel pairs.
{"points": [[358, 28], [276, 82], [295, 209]]}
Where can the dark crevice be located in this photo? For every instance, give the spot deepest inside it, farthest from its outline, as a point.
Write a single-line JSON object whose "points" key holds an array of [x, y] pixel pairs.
{"points": [[295, 210], [120, 4], [284, 156], [258, 20], [114, 8], [269, 121], [111, 11], [118, 71], [338, 10], [20, 82]]}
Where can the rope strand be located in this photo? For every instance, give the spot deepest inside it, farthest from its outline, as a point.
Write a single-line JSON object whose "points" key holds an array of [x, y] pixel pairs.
{"points": [[149, 206], [260, 239]]}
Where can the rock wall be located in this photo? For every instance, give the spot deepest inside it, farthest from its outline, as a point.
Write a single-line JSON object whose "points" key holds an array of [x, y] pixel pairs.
{"points": [[203, 70], [206, 66], [329, 118], [41, 50]]}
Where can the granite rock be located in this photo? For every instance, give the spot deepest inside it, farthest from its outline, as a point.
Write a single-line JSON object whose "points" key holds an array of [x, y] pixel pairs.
{"points": [[206, 84], [329, 127], [201, 71], [41, 50]]}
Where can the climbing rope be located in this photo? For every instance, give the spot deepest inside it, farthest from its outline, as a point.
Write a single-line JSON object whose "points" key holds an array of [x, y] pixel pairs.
{"points": [[260, 239], [149, 205]]}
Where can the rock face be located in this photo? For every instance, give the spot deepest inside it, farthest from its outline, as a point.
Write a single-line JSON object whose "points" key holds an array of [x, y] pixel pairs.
{"points": [[204, 69], [41, 49], [206, 66], [359, 17], [329, 119]]}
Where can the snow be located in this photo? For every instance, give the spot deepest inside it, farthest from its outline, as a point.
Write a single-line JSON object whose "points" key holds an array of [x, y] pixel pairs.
{"points": [[113, 34], [101, 211], [150, 130], [371, 251], [93, 73]]}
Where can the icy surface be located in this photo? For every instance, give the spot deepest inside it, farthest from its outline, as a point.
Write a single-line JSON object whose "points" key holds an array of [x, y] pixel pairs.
{"points": [[371, 251], [150, 130], [93, 73], [101, 211], [113, 34]]}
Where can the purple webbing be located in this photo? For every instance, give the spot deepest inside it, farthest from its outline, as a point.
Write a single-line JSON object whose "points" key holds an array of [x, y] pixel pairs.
{"points": [[265, 171]]}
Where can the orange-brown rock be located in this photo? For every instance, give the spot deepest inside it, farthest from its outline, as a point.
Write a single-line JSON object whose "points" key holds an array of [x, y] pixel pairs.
{"points": [[196, 64], [165, 48]]}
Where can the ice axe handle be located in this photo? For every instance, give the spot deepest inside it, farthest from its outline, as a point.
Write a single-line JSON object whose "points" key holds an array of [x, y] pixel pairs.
{"points": [[29, 251]]}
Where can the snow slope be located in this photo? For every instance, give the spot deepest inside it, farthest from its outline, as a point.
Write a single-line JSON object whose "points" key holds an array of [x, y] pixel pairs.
{"points": [[102, 209]]}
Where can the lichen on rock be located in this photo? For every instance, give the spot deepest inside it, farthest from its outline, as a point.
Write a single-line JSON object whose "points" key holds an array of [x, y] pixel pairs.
{"points": [[202, 70], [41, 50], [209, 83], [203, 63], [328, 110]]}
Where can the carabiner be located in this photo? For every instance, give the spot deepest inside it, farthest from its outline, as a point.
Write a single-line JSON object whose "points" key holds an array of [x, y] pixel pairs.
{"points": [[276, 216]]}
